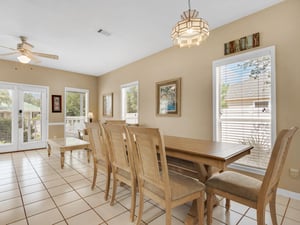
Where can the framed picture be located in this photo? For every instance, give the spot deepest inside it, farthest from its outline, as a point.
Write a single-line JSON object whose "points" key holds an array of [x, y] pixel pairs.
{"points": [[108, 105], [168, 97], [56, 103]]}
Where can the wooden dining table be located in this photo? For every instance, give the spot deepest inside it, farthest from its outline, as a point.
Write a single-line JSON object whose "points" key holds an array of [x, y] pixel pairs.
{"points": [[205, 155]]}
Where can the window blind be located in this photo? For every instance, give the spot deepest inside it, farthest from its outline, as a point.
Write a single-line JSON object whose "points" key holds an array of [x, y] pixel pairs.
{"points": [[243, 105]]}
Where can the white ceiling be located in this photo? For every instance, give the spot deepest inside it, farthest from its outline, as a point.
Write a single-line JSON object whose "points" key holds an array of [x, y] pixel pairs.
{"points": [[138, 28]]}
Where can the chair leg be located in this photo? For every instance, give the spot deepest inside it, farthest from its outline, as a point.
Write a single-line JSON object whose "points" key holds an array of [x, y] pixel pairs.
{"points": [[200, 209], [113, 195], [168, 214], [141, 207], [260, 216], [273, 209], [209, 206], [227, 204], [107, 186], [95, 175], [133, 200]]}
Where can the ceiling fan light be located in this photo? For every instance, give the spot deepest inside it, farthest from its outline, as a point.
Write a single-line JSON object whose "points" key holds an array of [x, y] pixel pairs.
{"points": [[24, 59]]}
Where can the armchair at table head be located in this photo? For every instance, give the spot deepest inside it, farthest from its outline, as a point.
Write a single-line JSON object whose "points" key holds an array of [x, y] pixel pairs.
{"points": [[250, 191]]}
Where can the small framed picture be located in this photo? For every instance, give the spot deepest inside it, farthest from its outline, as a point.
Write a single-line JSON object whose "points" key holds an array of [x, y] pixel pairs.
{"points": [[168, 97], [56, 103], [243, 43], [256, 40], [108, 105]]}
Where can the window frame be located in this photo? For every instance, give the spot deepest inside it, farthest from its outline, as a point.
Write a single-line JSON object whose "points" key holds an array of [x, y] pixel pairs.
{"points": [[242, 57], [86, 92]]}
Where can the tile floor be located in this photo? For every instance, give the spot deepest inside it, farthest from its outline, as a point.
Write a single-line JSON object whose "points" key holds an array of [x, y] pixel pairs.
{"points": [[34, 190]]}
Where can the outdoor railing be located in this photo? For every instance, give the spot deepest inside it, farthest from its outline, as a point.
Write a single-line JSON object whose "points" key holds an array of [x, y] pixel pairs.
{"points": [[73, 124]]}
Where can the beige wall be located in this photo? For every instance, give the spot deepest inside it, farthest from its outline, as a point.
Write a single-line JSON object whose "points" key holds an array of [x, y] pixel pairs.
{"points": [[56, 80], [277, 25]]}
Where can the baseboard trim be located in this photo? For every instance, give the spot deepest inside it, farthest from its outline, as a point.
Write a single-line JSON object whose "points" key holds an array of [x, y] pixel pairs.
{"points": [[289, 194]]}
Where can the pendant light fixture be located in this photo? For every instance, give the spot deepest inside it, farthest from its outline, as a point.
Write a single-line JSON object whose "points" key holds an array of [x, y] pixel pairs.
{"points": [[191, 30]]}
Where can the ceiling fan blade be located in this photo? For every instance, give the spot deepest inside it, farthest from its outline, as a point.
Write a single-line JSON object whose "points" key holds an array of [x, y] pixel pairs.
{"points": [[8, 48], [36, 60], [11, 53], [45, 55]]}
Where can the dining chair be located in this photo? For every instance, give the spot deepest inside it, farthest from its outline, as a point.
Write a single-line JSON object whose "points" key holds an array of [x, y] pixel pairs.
{"points": [[121, 161], [248, 190], [155, 181], [100, 154]]}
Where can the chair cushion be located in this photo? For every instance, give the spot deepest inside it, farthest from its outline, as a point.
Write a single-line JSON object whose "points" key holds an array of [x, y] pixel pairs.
{"points": [[182, 186], [236, 184]]}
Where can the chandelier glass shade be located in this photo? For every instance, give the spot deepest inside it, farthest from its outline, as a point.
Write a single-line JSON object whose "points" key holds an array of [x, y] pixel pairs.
{"points": [[191, 30]]}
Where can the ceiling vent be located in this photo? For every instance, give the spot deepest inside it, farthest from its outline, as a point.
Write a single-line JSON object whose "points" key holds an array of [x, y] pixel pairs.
{"points": [[104, 32]]}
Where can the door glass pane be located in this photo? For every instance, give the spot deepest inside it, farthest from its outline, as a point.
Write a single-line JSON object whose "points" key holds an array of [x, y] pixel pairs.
{"points": [[31, 116], [6, 116]]}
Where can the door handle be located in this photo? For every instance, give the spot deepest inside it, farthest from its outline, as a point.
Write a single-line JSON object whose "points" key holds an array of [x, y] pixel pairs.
{"points": [[20, 124]]}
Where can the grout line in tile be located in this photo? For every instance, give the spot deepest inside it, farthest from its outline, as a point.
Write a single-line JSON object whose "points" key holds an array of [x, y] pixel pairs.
{"points": [[243, 216], [19, 188], [47, 191], [285, 210], [115, 216], [91, 208]]}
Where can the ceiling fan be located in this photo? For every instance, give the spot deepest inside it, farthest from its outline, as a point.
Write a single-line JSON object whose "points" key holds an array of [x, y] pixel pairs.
{"points": [[24, 49]]}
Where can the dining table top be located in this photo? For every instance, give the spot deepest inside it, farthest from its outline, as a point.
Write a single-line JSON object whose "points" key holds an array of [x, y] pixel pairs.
{"points": [[212, 153]]}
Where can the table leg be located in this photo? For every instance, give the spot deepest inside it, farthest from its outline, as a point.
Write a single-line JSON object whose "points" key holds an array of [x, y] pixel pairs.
{"points": [[49, 150], [205, 172], [88, 154], [62, 159], [189, 220], [191, 217]]}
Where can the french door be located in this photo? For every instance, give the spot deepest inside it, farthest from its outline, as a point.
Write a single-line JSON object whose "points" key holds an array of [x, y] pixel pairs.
{"points": [[23, 117]]}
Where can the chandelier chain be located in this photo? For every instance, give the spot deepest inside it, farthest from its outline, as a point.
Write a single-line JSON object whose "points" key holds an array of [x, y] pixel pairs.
{"points": [[189, 1]]}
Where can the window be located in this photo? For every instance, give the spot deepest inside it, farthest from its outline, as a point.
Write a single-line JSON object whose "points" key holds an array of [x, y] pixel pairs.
{"points": [[130, 107], [76, 110], [244, 103]]}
